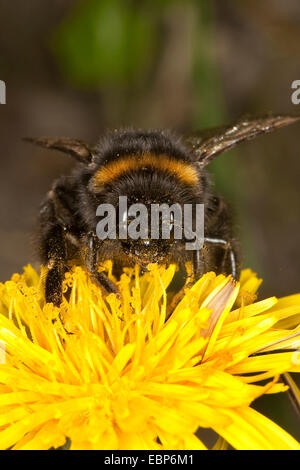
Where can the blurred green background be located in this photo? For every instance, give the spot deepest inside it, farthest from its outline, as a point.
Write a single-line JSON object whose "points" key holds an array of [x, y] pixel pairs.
{"points": [[76, 68]]}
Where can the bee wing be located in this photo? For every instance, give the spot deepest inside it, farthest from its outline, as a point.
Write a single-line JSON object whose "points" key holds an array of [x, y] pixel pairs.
{"points": [[82, 151], [209, 143]]}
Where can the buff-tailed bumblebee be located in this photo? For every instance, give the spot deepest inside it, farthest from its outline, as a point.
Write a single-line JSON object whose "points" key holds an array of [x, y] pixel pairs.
{"points": [[147, 167]]}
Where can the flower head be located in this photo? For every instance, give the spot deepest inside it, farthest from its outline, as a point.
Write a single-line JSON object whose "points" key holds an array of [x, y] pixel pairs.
{"points": [[123, 374]]}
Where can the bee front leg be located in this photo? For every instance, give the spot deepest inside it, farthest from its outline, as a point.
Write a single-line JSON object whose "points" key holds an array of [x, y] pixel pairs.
{"points": [[228, 253], [55, 250], [198, 264], [92, 264], [227, 265]]}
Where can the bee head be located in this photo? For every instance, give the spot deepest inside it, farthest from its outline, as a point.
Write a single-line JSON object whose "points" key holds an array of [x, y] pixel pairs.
{"points": [[145, 251], [149, 233]]}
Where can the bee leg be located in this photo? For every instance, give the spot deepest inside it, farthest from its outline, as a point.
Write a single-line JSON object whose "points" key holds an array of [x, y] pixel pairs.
{"points": [[55, 249], [92, 262], [55, 218], [198, 264], [178, 296], [228, 253]]}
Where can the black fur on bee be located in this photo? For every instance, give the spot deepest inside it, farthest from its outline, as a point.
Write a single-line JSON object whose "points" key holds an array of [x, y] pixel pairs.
{"points": [[147, 167]]}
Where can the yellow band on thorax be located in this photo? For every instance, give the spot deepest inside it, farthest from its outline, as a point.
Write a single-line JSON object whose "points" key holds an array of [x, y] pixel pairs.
{"points": [[183, 171]]}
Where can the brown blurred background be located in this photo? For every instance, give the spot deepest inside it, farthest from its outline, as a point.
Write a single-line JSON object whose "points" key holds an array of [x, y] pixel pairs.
{"points": [[76, 68]]}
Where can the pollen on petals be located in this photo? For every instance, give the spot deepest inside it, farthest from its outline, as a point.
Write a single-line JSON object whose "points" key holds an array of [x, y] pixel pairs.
{"points": [[109, 373]]}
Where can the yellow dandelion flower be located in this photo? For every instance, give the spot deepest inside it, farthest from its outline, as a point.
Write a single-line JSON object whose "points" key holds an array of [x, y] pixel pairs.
{"points": [[121, 374]]}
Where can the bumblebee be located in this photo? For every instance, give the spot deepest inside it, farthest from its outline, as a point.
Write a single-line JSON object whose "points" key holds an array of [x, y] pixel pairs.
{"points": [[147, 167]]}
